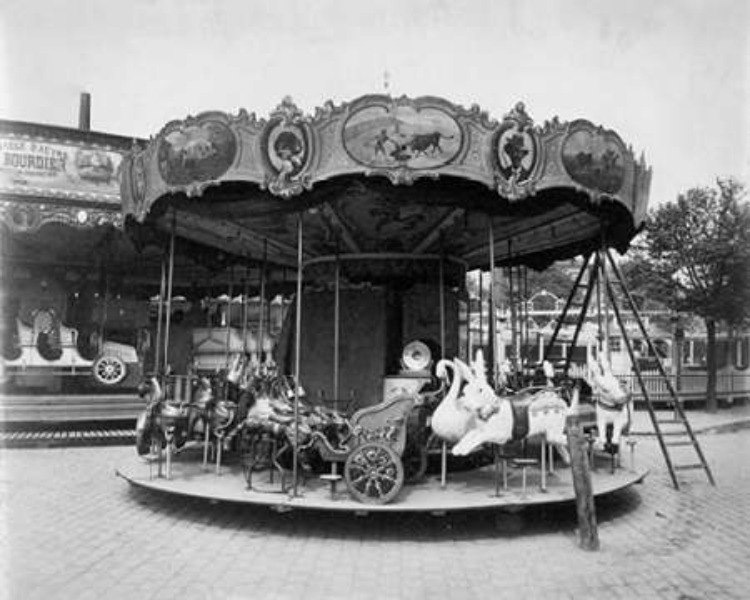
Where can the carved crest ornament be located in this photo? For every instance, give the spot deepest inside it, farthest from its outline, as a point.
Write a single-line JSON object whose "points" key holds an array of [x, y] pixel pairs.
{"points": [[402, 139]]}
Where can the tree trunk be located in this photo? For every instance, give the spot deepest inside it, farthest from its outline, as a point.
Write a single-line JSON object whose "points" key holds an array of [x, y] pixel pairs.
{"points": [[711, 401]]}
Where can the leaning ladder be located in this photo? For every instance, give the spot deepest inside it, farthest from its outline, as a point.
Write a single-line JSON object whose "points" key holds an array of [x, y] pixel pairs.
{"points": [[680, 433]]}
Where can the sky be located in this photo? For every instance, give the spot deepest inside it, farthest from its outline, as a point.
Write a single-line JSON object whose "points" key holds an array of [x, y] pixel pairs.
{"points": [[672, 77]]}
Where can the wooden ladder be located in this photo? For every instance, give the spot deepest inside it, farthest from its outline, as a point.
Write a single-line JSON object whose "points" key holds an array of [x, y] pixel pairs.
{"points": [[677, 429]]}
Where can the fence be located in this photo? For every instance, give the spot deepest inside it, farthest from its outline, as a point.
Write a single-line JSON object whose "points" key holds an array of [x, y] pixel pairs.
{"points": [[690, 386]]}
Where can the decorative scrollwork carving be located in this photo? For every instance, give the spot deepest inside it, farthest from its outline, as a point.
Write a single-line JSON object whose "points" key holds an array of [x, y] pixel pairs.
{"points": [[287, 143]]}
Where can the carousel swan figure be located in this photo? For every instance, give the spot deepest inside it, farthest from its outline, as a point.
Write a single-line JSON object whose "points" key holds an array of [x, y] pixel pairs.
{"points": [[613, 403], [451, 419], [502, 418]]}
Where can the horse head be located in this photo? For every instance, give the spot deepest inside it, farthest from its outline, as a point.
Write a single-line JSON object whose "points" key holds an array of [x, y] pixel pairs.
{"points": [[203, 393]]}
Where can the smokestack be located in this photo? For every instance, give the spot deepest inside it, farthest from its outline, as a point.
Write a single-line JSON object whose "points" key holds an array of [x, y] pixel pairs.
{"points": [[84, 112]]}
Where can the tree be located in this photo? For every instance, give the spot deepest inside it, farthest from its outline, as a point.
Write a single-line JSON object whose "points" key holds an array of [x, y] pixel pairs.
{"points": [[557, 279], [694, 256]]}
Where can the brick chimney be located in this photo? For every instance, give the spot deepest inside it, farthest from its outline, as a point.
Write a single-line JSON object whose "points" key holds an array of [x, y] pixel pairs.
{"points": [[84, 112]]}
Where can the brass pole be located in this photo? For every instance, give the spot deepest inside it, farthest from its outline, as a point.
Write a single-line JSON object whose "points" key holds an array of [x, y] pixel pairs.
{"points": [[170, 279], [441, 283], [230, 291], [336, 333], [262, 305], [245, 299], [160, 315], [298, 331], [493, 313]]}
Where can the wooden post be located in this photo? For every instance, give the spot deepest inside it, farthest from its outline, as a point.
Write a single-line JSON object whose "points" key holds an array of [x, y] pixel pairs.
{"points": [[588, 536]]}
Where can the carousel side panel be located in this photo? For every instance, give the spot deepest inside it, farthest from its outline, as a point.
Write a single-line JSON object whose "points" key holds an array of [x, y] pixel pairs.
{"points": [[594, 160], [401, 139], [191, 155]]}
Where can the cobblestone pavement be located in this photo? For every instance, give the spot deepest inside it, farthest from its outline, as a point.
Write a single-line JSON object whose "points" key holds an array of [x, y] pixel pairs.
{"points": [[71, 530]]}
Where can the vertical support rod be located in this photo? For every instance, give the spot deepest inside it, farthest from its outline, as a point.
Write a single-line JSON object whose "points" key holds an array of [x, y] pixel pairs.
{"points": [[262, 303], [105, 307], [604, 279], [523, 284], [599, 322], [297, 347], [160, 315], [481, 309], [493, 308], [513, 314], [245, 292], [230, 291], [441, 283], [170, 280], [594, 270], [468, 324], [336, 333], [569, 302]]}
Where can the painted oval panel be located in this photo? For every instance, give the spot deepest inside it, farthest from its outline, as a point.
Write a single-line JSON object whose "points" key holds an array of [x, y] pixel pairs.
{"points": [[286, 148], [196, 152], [516, 151], [594, 159], [402, 136]]}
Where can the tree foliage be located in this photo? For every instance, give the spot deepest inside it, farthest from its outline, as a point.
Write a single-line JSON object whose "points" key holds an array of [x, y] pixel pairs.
{"points": [[695, 254]]}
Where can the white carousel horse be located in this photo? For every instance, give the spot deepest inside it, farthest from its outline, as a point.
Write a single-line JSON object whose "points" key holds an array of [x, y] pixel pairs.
{"points": [[505, 418], [613, 404], [451, 419]]}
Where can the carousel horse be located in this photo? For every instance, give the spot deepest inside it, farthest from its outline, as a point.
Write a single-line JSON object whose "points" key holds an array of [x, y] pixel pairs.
{"points": [[500, 419], [613, 404]]}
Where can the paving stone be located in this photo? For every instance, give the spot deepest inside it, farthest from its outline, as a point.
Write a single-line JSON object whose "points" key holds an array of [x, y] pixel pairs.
{"points": [[75, 531]]}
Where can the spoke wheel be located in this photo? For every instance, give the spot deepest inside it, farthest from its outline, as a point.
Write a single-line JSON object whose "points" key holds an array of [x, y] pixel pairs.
{"points": [[373, 473], [109, 370]]}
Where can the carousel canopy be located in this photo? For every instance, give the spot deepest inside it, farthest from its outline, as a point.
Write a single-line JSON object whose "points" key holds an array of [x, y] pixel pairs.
{"points": [[389, 178]]}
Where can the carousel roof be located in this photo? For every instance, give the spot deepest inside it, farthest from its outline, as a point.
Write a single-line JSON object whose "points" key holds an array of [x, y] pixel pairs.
{"points": [[389, 177]]}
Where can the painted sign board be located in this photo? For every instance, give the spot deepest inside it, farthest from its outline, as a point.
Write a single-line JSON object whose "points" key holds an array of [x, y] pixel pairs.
{"points": [[34, 166]]}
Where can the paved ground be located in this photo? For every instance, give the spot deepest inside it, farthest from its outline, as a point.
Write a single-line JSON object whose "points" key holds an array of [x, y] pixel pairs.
{"points": [[71, 530]]}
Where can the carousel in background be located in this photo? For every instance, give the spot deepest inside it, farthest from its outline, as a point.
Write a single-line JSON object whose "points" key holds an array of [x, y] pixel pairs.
{"points": [[366, 218]]}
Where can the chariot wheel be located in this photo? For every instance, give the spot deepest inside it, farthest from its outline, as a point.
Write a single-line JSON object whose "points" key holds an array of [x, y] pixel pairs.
{"points": [[109, 369], [373, 473]]}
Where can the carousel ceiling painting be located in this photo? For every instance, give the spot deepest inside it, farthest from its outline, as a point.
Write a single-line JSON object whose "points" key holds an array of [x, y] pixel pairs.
{"points": [[382, 175]]}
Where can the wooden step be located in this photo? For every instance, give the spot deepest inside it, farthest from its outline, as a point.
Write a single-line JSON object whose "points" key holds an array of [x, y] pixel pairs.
{"points": [[687, 467]]}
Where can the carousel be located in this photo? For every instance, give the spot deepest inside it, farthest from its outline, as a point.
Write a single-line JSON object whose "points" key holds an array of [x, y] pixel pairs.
{"points": [[373, 394]]}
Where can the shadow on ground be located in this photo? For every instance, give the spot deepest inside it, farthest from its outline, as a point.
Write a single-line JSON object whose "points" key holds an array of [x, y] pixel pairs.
{"points": [[475, 524]]}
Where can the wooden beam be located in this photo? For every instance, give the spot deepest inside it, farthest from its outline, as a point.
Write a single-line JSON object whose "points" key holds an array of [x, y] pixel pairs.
{"points": [[337, 225], [434, 234]]}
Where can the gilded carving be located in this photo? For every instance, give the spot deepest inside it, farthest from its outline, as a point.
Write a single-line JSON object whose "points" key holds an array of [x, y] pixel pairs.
{"points": [[287, 148]]}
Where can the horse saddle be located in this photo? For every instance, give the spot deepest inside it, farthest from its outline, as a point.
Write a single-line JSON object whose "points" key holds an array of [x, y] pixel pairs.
{"points": [[520, 404], [172, 415]]}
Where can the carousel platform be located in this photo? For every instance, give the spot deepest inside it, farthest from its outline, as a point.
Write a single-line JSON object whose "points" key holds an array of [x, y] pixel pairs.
{"points": [[478, 489]]}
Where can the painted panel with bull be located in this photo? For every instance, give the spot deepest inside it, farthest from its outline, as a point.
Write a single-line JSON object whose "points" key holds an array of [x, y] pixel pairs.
{"points": [[383, 136]]}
